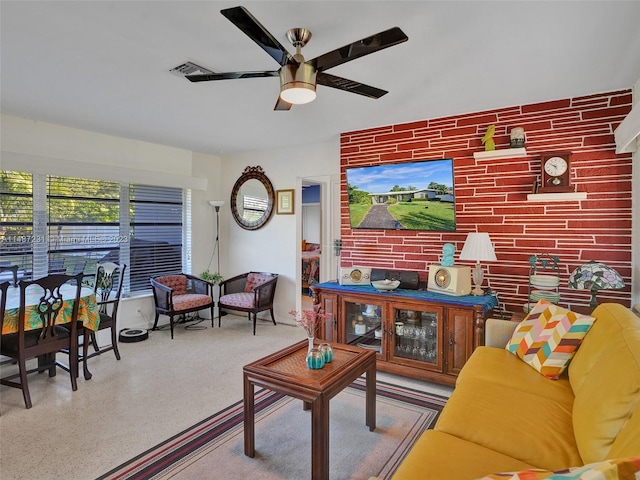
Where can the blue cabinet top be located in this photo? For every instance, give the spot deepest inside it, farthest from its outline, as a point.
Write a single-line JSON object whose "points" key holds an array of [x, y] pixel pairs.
{"points": [[486, 301]]}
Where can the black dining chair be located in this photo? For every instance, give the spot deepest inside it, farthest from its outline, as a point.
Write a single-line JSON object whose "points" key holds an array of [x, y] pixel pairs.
{"points": [[56, 265], [14, 272], [108, 288], [79, 266], [4, 286], [44, 341]]}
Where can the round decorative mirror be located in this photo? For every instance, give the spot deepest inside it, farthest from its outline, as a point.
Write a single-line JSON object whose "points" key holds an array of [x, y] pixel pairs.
{"points": [[252, 199]]}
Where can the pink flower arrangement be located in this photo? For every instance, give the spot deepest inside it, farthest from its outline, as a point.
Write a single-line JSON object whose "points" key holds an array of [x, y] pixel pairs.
{"points": [[309, 319]]}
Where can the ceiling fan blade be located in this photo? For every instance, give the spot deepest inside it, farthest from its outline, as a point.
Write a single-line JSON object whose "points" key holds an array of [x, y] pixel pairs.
{"points": [[358, 49], [207, 77], [340, 83], [282, 105], [246, 22]]}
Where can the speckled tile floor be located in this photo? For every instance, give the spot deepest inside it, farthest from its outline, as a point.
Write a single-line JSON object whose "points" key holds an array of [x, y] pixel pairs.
{"points": [[160, 387]]}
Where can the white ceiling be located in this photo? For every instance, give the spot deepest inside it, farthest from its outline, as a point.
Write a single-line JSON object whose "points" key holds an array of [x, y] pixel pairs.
{"points": [[104, 65]]}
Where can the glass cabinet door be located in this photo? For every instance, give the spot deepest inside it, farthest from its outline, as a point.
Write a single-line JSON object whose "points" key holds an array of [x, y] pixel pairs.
{"points": [[363, 325], [417, 336]]}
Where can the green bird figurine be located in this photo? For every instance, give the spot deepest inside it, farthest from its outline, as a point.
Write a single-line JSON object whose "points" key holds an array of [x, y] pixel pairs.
{"points": [[487, 140]]}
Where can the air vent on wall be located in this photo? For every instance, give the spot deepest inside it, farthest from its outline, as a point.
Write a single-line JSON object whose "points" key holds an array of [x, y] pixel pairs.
{"points": [[189, 68]]}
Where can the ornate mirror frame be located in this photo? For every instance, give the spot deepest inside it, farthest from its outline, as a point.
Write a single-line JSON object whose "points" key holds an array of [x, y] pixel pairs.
{"points": [[252, 173]]}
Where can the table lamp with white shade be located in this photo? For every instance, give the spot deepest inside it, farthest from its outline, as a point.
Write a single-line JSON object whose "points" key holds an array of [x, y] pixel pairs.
{"points": [[478, 247]]}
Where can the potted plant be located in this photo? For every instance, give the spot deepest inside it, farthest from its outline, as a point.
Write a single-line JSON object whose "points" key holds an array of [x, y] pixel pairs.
{"points": [[214, 278]]}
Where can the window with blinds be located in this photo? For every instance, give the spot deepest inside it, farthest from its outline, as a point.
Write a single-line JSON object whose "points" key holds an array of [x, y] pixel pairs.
{"points": [[82, 222], [156, 233], [16, 221], [63, 224]]}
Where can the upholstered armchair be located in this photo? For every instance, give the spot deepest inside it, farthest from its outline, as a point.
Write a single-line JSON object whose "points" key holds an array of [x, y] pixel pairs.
{"points": [[181, 294], [251, 292]]}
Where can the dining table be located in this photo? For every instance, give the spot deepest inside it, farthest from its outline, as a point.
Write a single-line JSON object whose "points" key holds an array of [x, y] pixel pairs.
{"points": [[87, 309], [88, 313]]}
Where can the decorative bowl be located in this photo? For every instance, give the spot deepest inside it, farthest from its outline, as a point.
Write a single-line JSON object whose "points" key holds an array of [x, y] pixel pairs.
{"points": [[385, 285]]}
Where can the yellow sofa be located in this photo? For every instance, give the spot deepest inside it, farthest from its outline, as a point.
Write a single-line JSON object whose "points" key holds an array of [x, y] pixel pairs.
{"points": [[504, 416]]}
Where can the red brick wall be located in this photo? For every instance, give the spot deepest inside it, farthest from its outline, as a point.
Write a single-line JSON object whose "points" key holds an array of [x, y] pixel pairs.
{"points": [[491, 195]]}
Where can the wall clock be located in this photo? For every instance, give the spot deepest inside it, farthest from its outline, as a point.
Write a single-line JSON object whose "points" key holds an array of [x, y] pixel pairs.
{"points": [[555, 172]]}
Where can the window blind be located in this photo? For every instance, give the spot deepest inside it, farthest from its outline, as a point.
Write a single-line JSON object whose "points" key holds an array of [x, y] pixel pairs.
{"points": [[82, 223], [16, 220], [52, 223], [156, 233]]}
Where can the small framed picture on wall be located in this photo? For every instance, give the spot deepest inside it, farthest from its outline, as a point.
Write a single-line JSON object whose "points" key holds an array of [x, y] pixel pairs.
{"points": [[284, 202]]}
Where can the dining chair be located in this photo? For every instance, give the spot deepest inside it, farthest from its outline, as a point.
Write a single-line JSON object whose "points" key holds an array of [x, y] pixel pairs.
{"points": [[108, 288], [4, 286], [56, 265], [40, 334], [79, 267], [14, 272]]}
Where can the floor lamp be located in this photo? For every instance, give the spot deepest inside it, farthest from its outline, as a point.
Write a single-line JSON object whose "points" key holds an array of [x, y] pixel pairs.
{"points": [[216, 247]]}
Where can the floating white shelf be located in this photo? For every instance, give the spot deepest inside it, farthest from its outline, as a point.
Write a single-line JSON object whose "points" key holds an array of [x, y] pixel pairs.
{"points": [[556, 197], [503, 153]]}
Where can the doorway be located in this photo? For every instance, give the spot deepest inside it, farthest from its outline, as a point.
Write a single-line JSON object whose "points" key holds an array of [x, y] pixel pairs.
{"points": [[319, 219], [311, 234]]}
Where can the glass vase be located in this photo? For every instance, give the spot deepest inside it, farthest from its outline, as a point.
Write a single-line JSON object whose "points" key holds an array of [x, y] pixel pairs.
{"points": [[315, 359], [327, 352], [310, 340]]}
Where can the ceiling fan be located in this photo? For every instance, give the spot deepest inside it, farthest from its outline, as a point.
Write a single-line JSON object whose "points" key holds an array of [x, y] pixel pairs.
{"points": [[298, 78]]}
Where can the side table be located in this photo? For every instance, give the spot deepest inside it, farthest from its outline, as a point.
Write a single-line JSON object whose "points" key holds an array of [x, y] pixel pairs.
{"points": [[286, 372]]}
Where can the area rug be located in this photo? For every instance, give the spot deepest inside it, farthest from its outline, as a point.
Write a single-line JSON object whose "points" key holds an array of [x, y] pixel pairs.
{"points": [[214, 448]]}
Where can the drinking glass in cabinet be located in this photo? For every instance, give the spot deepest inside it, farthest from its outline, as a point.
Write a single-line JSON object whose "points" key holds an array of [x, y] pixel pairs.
{"points": [[416, 335]]}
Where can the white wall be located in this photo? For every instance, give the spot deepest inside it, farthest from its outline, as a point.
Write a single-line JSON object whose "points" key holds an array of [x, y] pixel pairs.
{"points": [[274, 247], [39, 144]]}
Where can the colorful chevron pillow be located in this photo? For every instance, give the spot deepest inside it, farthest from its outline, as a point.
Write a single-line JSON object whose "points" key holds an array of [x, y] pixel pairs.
{"points": [[548, 338], [620, 469]]}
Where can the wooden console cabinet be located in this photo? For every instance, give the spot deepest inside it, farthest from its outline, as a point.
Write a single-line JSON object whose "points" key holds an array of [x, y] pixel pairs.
{"points": [[418, 334]]}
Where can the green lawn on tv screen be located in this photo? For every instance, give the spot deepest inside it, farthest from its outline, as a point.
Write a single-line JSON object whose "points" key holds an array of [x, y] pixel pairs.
{"points": [[412, 215]]}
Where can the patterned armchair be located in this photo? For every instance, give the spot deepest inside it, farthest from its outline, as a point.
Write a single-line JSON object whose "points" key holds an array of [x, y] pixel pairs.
{"points": [[181, 294], [251, 292]]}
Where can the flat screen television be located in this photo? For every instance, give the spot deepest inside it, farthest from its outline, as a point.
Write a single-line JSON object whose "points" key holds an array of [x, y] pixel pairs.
{"points": [[416, 195]]}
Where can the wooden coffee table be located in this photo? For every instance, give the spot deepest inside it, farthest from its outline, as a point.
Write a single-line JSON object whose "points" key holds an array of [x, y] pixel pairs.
{"points": [[286, 372]]}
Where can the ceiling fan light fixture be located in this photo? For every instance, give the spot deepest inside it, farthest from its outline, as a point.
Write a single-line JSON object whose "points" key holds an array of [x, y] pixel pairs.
{"points": [[299, 95], [298, 84]]}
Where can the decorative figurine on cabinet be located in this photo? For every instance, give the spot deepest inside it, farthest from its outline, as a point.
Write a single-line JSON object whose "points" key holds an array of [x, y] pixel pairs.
{"points": [[487, 140], [448, 249]]}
